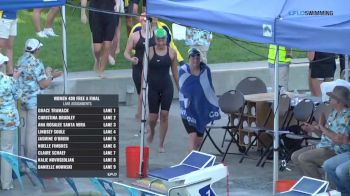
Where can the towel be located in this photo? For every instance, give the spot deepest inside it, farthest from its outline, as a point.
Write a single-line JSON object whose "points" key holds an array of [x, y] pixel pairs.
{"points": [[198, 102]]}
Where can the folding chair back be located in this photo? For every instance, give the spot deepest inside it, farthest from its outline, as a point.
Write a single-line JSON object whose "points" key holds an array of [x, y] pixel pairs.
{"points": [[322, 108], [231, 102], [303, 111], [251, 85], [283, 109]]}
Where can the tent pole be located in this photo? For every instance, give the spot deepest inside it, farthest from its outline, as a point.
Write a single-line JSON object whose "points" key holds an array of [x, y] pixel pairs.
{"points": [[276, 122], [64, 44], [346, 67], [144, 101]]}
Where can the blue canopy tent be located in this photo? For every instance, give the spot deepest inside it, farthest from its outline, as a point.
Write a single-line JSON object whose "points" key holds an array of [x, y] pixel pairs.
{"points": [[313, 25]]}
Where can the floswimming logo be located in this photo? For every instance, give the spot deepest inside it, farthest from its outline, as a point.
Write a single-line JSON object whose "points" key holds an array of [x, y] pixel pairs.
{"points": [[311, 13]]}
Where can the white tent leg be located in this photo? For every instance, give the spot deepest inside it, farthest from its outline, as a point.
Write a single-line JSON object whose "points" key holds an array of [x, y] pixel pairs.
{"points": [[276, 122], [64, 45], [144, 99]]}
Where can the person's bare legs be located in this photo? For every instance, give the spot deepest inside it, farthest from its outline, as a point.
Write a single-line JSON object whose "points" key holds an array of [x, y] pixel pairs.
{"points": [[139, 107], [104, 57], [198, 143], [36, 19], [115, 44], [192, 141], [116, 40], [9, 54], [163, 128], [315, 87], [83, 16], [152, 122], [97, 53], [309, 80], [51, 16]]}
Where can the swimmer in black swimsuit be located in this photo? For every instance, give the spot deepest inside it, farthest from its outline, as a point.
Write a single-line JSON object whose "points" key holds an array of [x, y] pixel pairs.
{"points": [[160, 87], [136, 41]]}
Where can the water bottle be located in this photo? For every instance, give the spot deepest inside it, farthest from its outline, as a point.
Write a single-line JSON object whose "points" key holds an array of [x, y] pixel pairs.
{"points": [[295, 97]]}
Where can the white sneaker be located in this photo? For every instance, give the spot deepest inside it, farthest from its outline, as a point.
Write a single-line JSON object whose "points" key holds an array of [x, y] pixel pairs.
{"points": [[41, 34], [49, 32], [111, 60]]}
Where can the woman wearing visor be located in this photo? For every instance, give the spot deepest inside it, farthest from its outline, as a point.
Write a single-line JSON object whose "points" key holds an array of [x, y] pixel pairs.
{"points": [[198, 102], [160, 86]]}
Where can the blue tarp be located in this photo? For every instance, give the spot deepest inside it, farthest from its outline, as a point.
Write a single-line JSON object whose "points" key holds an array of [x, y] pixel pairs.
{"points": [[283, 22], [27, 4]]}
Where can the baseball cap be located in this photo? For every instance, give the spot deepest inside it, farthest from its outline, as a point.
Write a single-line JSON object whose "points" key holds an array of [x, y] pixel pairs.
{"points": [[160, 33], [3, 59], [32, 44]]}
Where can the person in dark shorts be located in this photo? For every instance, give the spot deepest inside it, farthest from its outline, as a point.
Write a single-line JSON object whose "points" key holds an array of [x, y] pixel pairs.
{"points": [[102, 26], [136, 42], [160, 86], [198, 102], [321, 69]]}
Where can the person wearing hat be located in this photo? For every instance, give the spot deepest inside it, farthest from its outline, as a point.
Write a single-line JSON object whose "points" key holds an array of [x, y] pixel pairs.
{"points": [[9, 120], [198, 102], [309, 159], [32, 79], [160, 86]]}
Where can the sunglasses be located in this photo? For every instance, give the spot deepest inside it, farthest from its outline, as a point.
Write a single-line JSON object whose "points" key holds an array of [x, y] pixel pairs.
{"points": [[195, 55]]}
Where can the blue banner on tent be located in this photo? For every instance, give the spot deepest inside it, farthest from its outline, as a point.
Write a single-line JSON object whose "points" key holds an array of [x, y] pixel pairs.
{"points": [[28, 4]]}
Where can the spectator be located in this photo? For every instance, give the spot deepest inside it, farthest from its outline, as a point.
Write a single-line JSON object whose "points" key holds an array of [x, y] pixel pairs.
{"points": [[157, 24], [115, 49], [102, 26], [160, 86], [199, 39], [338, 167], [198, 102], [136, 42], [32, 79], [8, 32], [136, 6], [48, 30], [309, 159], [321, 69], [9, 121], [285, 57]]}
